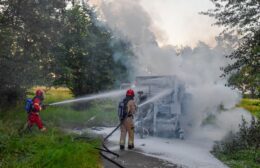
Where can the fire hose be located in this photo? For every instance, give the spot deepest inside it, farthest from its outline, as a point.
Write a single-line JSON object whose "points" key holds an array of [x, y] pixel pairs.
{"points": [[103, 145], [100, 149], [109, 151], [106, 150]]}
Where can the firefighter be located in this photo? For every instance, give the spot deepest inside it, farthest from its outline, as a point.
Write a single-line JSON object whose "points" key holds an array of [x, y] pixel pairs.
{"points": [[127, 125], [34, 116]]}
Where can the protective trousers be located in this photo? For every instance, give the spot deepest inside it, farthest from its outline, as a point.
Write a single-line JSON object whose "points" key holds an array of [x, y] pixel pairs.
{"points": [[127, 127], [34, 118]]}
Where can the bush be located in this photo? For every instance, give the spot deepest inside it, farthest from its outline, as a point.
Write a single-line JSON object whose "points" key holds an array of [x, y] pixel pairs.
{"points": [[247, 138]]}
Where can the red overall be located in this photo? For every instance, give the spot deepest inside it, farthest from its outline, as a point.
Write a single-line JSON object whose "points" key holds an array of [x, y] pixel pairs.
{"points": [[34, 117]]}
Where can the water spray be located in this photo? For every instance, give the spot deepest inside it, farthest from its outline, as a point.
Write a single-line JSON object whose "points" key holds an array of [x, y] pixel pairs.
{"points": [[109, 94], [115, 93], [156, 97]]}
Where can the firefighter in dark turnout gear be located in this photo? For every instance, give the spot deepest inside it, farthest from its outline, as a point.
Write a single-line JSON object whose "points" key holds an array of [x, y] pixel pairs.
{"points": [[128, 123]]}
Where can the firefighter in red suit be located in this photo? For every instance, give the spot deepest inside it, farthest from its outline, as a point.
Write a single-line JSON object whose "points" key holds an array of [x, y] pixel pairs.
{"points": [[34, 117]]}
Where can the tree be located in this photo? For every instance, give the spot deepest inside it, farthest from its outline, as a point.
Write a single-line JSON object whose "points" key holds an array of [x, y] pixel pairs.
{"points": [[246, 68], [236, 15], [244, 82], [242, 17], [27, 30], [44, 42], [84, 55]]}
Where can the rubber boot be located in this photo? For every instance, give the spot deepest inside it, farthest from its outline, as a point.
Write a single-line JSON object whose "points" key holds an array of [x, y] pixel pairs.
{"points": [[43, 129], [130, 147], [122, 147]]}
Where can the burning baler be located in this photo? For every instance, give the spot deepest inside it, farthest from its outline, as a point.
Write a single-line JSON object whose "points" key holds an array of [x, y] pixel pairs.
{"points": [[162, 103]]}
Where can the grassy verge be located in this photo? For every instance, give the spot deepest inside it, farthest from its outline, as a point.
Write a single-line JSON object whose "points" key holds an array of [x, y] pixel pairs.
{"points": [[53, 148], [252, 105], [240, 159]]}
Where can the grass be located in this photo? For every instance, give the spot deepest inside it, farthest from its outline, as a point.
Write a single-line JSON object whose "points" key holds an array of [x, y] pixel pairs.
{"points": [[53, 148], [240, 159], [252, 105]]}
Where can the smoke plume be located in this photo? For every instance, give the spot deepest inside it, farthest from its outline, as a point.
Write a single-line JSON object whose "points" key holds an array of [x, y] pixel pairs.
{"points": [[198, 67]]}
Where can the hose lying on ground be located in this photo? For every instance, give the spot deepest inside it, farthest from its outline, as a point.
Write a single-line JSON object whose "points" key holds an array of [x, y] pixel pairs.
{"points": [[109, 151], [105, 147]]}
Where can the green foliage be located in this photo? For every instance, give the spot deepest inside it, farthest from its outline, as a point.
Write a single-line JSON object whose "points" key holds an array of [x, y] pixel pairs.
{"points": [[27, 30], [235, 146], [241, 17], [252, 105], [48, 43], [245, 71], [246, 80], [85, 62]]}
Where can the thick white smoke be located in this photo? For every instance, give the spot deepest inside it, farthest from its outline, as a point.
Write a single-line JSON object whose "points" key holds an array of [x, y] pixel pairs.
{"points": [[199, 67]]}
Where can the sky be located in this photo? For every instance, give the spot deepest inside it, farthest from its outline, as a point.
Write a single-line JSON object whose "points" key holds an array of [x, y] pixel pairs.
{"points": [[178, 22]]}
